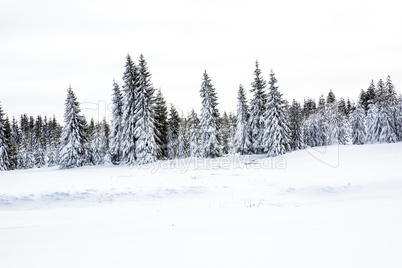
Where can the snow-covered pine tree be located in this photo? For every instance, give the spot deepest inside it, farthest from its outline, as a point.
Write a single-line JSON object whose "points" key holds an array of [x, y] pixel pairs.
{"points": [[226, 134], [181, 146], [105, 141], [372, 123], [257, 110], [392, 106], [73, 138], [333, 122], [309, 107], [194, 145], [358, 124], [146, 148], [342, 107], [96, 156], [276, 136], [241, 142], [90, 146], [339, 126], [322, 122], [399, 118], [25, 158], [56, 130], [312, 131], [100, 144], [371, 94], [331, 97], [173, 133], [209, 131], [117, 125], [12, 136], [161, 125], [38, 143], [130, 84], [4, 160], [296, 126], [382, 115]]}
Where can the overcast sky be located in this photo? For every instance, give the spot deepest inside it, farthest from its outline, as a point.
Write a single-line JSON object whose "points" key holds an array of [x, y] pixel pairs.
{"points": [[312, 46]]}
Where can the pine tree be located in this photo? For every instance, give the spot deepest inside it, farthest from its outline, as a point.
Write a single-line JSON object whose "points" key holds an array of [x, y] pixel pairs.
{"points": [[227, 135], [96, 155], [276, 136], [194, 146], [309, 107], [4, 160], [38, 143], [173, 133], [13, 139], [339, 126], [372, 123], [358, 123], [73, 138], [311, 131], [242, 143], [331, 97], [130, 80], [117, 125], [25, 157], [322, 123], [54, 152], [382, 114], [257, 110], [161, 125], [399, 118], [371, 94], [342, 107], [146, 148], [181, 146], [209, 131], [296, 126]]}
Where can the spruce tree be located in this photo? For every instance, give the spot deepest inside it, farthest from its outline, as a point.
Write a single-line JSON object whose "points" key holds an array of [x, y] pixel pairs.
{"points": [[181, 144], [13, 137], [342, 108], [371, 94], [130, 85], [382, 114], [309, 107], [161, 125], [358, 123], [173, 133], [145, 148], [39, 143], [399, 118], [339, 126], [73, 138], [296, 126], [4, 160], [194, 145], [331, 97], [242, 143], [372, 123], [226, 134], [257, 110], [209, 120], [276, 135], [117, 125]]}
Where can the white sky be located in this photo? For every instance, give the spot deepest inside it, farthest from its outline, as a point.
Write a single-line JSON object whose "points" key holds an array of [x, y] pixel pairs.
{"points": [[312, 46]]}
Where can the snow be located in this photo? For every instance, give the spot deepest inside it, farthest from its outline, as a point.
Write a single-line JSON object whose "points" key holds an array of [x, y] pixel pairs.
{"points": [[341, 208]]}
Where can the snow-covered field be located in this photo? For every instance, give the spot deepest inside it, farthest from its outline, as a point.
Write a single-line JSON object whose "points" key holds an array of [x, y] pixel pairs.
{"points": [[328, 207]]}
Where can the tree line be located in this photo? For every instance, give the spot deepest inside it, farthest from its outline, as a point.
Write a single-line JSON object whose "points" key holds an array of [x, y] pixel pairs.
{"points": [[144, 129]]}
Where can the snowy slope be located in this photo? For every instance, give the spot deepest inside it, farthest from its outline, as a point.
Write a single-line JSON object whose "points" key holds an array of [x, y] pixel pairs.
{"points": [[339, 206]]}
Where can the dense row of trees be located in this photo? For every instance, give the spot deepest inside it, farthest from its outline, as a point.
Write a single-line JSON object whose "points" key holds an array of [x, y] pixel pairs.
{"points": [[144, 129]]}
